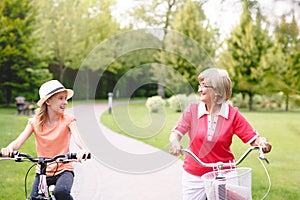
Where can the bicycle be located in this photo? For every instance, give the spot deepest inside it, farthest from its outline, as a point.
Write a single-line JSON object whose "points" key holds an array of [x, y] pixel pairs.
{"points": [[45, 192], [231, 183]]}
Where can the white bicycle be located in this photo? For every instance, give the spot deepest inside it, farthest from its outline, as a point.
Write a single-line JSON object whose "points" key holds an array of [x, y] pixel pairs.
{"points": [[233, 183]]}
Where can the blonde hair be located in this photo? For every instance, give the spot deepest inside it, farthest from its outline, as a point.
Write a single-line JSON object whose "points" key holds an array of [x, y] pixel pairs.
{"points": [[220, 81], [41, 117]]}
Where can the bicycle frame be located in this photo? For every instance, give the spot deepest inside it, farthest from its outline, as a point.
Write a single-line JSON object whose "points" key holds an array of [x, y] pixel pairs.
{"points": [[43, 190]]}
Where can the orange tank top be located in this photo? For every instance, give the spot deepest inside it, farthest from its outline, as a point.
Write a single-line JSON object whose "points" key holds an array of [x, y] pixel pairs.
{"points": [[53, 141]]}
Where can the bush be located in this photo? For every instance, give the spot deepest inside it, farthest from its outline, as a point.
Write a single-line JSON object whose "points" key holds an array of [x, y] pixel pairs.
{"points": [[155, 103], [240, 101], [295, 101], [192, 98], [178, 102]]}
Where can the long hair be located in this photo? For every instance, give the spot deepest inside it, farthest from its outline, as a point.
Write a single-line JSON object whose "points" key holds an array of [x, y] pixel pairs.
{"points": [[41, 117]]}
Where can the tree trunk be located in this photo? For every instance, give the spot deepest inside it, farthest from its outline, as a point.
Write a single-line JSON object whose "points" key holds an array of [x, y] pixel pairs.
{"points": [[250, 101], [9, 96], [171, 3], [287, 97], [87, 90], [161, 90]]}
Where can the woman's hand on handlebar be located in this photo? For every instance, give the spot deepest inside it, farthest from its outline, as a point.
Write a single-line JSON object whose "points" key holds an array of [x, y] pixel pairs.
{"points": [[263, 143], [175, 147]]}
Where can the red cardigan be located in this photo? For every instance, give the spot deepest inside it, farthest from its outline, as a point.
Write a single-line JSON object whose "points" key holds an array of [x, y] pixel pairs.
{"points": [[194, 121]]}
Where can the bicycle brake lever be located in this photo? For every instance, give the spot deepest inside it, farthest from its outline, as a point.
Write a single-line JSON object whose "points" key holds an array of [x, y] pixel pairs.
{"points": [[16, 157], [262, 155], [64, 160], [265, 159]]}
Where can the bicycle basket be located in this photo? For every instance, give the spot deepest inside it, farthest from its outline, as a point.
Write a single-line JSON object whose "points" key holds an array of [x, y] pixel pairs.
{"points": [[229, 184]]}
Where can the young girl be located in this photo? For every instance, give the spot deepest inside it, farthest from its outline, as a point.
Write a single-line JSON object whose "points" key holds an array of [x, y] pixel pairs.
{"points": [[52, 129]]}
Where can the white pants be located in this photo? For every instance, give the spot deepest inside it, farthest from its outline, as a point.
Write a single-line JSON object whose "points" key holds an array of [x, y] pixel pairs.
{"points": [[192, 187]]}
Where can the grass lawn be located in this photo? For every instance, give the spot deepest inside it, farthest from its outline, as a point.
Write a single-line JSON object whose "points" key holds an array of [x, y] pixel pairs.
{"points": [[282, 130], [12, 174]]}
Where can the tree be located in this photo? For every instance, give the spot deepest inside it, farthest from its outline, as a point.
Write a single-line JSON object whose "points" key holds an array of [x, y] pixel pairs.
{"points": [[16, 42], [157, 13], [99, 25], [282, 62], [68, 30], [197, 46], [246, 46], [119, 54]]}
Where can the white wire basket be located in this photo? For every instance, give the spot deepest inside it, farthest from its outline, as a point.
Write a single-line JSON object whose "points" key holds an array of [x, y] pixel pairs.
{"points": [[229, 184]]}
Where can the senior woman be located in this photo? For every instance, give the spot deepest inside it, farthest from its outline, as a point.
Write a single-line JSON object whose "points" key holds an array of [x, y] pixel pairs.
{"points": [[210, 125]]}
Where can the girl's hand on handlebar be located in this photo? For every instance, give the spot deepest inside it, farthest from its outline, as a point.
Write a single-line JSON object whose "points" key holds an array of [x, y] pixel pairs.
{"points": [[82, 154], [7, 152]]}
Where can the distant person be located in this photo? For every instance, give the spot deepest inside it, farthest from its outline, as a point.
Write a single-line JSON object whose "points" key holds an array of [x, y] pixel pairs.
{"points": [[20, 102], [210, 125], [29, 108], [53, 130]]}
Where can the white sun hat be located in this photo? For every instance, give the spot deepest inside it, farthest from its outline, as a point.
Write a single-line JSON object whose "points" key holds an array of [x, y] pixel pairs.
{"points": [[50, 88]]}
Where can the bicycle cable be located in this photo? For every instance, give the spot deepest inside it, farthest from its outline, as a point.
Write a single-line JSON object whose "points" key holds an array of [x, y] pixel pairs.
{"points": [[268, 176], [25, 180], [54, 163], [56, 168]]}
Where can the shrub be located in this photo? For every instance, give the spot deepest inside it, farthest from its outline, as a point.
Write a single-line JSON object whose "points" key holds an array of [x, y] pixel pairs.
{"points": [[192, 98], [240, 101], [155, 103], [295, 101], [178, 102]]}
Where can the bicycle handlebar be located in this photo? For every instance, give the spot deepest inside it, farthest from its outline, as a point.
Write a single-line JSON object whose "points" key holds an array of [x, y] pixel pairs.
{"points": [[220, 165], [18, 157]]}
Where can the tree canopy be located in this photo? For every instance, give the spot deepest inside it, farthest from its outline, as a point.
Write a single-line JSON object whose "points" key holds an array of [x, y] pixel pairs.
{"points": [[245, 48], [162, 50], [20, 68]]}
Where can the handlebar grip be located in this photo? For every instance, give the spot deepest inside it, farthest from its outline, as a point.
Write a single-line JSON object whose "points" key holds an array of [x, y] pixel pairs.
{"points": [[12, 155], [74, 156], [89, 156]]}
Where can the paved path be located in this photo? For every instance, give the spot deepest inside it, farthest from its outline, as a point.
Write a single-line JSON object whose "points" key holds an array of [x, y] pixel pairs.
{"points": [[104, 179]]}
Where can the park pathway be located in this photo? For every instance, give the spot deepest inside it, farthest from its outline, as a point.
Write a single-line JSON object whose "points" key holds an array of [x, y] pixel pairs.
{"points": [[95, 180]]}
